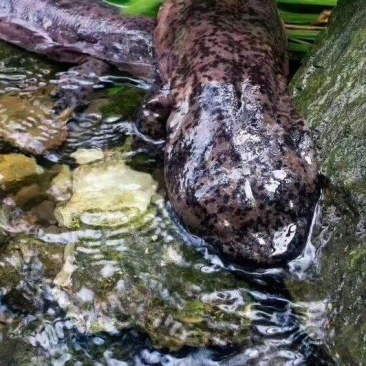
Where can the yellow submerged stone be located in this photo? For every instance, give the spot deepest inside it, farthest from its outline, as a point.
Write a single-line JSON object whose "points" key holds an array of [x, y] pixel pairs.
{"points": [[106, 193], [17, 168]]}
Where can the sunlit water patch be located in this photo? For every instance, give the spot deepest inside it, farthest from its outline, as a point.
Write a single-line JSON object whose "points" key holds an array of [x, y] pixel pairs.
{"points": [[94, 270]]}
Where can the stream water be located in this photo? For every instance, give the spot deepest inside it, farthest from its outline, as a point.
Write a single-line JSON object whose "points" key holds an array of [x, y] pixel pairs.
{"points": [[94, 270]]}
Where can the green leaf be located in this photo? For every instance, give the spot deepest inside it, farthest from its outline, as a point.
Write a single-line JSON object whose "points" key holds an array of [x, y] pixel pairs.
{"points": [[147, 8]]}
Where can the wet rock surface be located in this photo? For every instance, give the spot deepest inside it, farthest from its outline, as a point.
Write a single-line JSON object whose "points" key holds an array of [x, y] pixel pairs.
{"points": [[330, 92]]}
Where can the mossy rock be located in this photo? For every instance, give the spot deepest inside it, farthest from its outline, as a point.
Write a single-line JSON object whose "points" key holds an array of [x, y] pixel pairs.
{"points": [[329, 91]]}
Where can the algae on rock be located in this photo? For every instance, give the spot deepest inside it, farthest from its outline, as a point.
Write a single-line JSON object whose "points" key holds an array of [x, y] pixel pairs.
{"points": [[330, 92]]}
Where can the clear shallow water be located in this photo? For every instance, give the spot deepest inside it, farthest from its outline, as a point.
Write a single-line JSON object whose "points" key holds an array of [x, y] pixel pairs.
{"points": [[117, 285]]}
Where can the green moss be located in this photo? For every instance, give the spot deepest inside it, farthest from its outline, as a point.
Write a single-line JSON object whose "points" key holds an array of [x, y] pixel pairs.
{"points": [[123, 101]]}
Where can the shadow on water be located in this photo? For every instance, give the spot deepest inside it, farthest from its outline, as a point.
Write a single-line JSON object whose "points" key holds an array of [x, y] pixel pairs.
{"points": [[83, 286]]}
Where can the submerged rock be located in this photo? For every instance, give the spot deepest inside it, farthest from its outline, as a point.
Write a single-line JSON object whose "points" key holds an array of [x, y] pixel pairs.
{"points": [[61, 184], [85, 156], [330, 93], [106, 193], [26, 121], [28, 124], [29, 193], [16, 169]]}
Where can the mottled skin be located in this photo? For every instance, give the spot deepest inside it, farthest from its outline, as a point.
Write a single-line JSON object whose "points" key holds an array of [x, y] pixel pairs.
{"points": [[239, 162], [70, 30]]}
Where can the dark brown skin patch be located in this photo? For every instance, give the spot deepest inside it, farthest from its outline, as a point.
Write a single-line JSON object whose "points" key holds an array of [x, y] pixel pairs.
{"points": [[239, 161]]}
